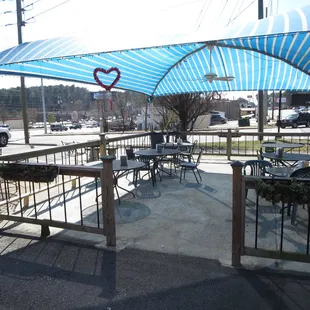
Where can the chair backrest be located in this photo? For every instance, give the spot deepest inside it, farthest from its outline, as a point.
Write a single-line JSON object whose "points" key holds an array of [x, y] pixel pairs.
{"points": [[256, 167], [148, 160], [156, 138], [301, 173], [194, 147], [199, 157], [130, 153], [260, 155]]}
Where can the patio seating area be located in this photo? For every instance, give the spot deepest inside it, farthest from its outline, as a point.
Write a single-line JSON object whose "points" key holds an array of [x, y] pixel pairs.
{"points": [[155, 208], [187, 218]]}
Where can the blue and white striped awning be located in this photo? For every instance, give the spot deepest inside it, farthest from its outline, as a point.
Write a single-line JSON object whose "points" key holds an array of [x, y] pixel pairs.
{"points": [[270, 54]]}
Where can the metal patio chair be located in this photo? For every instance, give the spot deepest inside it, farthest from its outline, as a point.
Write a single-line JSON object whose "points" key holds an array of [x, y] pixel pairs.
{"points": [[299, 173], [189, 155], [191, 166], [256, 168]]}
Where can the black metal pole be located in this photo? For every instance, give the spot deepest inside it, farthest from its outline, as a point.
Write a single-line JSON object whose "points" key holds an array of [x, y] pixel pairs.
{"points": [[272, 107], [280, 108], [261, 114], [22, 79]]}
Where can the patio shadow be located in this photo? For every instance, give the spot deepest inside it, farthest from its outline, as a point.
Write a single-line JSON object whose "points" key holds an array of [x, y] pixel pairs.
{"points": [[76, 276]]}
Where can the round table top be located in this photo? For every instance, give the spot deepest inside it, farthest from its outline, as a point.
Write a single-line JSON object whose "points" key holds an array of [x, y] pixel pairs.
{"points": [[281, 171], [175, 144], [154, 153], [288, 156], [282, 145], [131, 165]]}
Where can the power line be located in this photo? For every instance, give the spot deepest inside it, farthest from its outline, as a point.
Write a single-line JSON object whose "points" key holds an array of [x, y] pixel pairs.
{"points": [[32, 3], [203, 6], [233, 12], [240, 7], [206, 10], [54, 7], [241, 12], [219, 15]]}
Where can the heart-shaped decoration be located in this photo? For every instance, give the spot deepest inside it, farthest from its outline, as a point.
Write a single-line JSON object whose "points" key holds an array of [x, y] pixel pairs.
{"points": [[107, 87], [216, 96]]}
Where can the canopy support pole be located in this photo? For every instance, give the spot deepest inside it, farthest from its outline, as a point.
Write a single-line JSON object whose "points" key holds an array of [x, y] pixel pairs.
{"points": [[280, 108], [261, 113]]}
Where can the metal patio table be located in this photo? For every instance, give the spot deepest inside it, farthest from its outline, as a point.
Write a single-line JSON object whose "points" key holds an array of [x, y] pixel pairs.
{"points": [[287, 159], [283, 145], [119, 171], [157, 156]]}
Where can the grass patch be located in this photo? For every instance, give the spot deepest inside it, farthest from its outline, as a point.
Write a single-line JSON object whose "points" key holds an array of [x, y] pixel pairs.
{"points": [[252, 145]]}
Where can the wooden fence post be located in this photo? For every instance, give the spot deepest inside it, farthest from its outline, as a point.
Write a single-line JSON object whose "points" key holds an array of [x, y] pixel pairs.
{"points": [[228, 143], [237, 216], [107, 191], [103, 144]]}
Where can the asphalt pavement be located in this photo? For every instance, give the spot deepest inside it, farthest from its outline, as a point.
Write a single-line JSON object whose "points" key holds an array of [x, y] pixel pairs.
{"points": [[51, 274]]}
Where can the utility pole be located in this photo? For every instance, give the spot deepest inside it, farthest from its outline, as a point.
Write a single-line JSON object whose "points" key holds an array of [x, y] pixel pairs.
{"points": [[261, 114], [43, 107], [20, 23]]}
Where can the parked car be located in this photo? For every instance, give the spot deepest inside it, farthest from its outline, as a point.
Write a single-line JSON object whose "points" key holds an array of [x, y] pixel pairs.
{"points": [[294, 120], [75, 126], [5, 136], [5, 126], [218, 119], [58, 127]]}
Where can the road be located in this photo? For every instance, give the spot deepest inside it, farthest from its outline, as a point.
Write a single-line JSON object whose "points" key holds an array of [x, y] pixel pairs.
{"points": [[39, 140]]}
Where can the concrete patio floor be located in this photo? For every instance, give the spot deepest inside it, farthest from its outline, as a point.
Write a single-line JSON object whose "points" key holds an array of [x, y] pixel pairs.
{"points": [[189, 219]]}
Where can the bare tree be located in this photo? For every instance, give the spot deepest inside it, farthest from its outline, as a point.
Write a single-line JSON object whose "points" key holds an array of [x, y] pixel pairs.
{"points": [[4, 113], [123, 103], [168, 117], [186, 106], [32, 115]]}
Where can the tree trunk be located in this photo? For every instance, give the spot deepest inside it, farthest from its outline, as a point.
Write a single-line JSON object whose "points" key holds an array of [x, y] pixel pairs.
{"points": [[183, 128]]}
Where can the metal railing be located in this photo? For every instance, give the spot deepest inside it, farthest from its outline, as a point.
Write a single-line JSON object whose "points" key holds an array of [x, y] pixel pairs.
{"points": [[119, 144], [240, 143], [267, 229], [70, 154], [226, 143], [69, 202]]}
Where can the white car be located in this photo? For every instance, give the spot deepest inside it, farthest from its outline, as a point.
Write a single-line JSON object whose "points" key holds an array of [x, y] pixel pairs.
{"points": [[5, 136]]}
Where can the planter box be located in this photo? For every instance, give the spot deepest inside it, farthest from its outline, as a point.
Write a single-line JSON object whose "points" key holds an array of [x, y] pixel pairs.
{"points": [[33, 173]]}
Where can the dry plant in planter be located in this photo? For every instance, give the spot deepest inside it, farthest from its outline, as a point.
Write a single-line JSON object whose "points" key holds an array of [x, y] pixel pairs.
{"points": [[24, 172], [293, 191]]}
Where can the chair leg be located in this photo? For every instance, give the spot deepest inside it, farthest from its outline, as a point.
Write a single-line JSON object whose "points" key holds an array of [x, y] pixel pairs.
{"points": [[119, 199], [153, 177], [289, 206], [181, 174], [199, 174], [195, 175], [136, 178]]}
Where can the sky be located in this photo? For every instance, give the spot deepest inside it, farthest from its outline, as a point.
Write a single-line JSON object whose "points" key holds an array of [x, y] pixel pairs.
{"points": [[132, 23]]}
